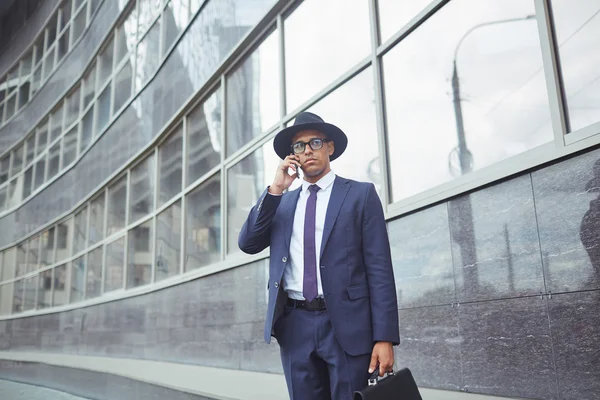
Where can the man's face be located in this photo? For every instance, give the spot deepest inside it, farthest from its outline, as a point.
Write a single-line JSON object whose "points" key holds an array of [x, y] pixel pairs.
{"points": [[314, 162]]}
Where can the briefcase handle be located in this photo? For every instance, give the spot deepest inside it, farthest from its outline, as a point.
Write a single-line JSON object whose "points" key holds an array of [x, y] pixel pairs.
{"points": [[374, 378]]}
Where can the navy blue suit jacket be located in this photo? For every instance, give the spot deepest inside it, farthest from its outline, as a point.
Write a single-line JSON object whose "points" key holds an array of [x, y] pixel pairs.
{"points": [[355, 264]]}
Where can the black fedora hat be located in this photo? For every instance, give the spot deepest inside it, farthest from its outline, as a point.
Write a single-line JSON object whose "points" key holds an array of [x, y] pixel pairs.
{"points": [[305, 121]]}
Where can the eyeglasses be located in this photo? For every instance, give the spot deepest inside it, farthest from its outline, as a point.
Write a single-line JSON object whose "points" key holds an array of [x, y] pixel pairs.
{"points": [[315, 144]]}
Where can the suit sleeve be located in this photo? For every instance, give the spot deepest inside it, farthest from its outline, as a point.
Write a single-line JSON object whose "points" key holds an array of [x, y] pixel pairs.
{"points": [[255, 234], [380, 274]]}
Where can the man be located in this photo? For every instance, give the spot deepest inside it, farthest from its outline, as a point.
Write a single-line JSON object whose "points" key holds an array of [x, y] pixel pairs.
{"points": [[332, 298]]}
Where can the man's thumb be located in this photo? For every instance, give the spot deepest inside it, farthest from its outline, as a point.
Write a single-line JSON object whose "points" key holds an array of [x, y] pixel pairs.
{"points": [[373, 364]]}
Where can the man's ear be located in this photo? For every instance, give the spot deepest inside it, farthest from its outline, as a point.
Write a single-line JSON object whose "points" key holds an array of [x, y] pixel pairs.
{"points": [[331, 146]]}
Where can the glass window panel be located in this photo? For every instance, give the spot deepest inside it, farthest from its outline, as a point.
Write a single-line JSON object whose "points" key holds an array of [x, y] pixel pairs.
{"points": [[168, 242], [577, 26], [94, 5], [147, 56], [77, 279], [87, 130], [48, 63], [40, 172], [195, 6], [23, 95], [70, 147], [60, 282], [253, 95], [89, 86], [106, 63], [72, 112], [335, 51], [170, 160], [29, 293], [126, 36], [80, 231], [6, 298], [42, 137], [33, 250], [30, 148], [1, 112], [63, 46], [77, 4], [66, 14], [178, 11], [47, 247], [39, 49], [26, 66], [97, 208], [142, 189], [394, 14], [56, 122], [44, 296], [12, 79], [246, 182], [10, 107], [148, 9], [51, 29], [15, 191], [171, 28], [103, 107], [115, 262], [64, 239], [9, 263], [123, 84], [94, 274], [18, 296], [4, 166], [27, 182], [79, 24], [54, 161], [203, 225], [3, 196], [117, 194], [17, 160], [503, 116], [139, 265], [204, 137]]}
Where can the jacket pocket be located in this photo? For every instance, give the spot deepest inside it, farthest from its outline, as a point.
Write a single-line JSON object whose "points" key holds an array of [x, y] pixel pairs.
{"points": [[358, 292]]}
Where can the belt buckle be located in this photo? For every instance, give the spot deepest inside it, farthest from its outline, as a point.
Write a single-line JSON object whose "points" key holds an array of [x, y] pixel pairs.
{"points": [[315, 304]]}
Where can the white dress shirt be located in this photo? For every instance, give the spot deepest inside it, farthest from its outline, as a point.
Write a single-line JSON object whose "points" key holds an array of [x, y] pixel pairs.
{"points": [[293, 276]]}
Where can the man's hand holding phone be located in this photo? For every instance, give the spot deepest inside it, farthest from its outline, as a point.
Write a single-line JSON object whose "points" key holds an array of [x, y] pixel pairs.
{"points": [[283, 179]]}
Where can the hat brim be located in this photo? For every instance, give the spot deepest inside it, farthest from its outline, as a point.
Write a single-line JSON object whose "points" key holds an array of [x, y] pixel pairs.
{"points": [[283, 140]]}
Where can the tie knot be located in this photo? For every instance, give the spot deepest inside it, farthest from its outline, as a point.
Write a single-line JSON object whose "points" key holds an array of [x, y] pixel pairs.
{"points": [[314, 188]]}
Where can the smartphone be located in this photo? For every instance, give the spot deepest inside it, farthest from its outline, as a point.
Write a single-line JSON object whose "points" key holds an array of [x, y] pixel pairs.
{"points": [[297, 169]]}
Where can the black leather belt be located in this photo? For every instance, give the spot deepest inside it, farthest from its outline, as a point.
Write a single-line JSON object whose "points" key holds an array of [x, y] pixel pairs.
{"points": [[317, 304]]}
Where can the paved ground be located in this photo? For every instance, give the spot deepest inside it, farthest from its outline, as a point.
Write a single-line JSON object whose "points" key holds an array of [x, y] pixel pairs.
{"points": [[18, 391]]}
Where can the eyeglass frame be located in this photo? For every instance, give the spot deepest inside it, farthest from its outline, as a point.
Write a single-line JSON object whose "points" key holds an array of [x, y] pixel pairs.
{"points": [[323, 140]]}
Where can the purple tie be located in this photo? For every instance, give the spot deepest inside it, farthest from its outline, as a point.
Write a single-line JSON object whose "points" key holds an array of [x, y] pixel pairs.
{"points": [[310, 290]]}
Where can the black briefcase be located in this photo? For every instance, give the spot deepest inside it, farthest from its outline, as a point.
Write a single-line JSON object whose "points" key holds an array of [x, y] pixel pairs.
{"points": [[396, 386]]}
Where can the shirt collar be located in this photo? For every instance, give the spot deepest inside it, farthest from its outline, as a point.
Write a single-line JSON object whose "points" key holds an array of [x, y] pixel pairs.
{"points": [[322, 183]]}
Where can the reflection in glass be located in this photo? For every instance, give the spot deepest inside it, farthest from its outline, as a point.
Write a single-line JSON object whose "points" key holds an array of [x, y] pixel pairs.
{"points": [[4, 166], [79, 24], [171, 28], [123, 85], [40, 172], [42, 137], [48, 63], [65, 13], [47, 247], [70, 147], [8, 264], [503, 116], [115, 262], [80, 231], [64, 239], [72, 112], [577, 26], [106, 63], [87, 130], [6, 298], [253, 95], [203, 224], [33, 249], [147, 56], [96, 232], [28, 181], [54, 161], [103, 109], [3, 196], [204, 137], [60, 283], [17, 161], [148, 10], [139, 265], [89, 86], [246, 182], [169, 166], [394, 14], [117, 196], [142, 189], [63, 45], [309, 67], [94, 274], [77, 279], [125, 37], [44, 296], [18, 296], [30, 148], [29, 292], [56, 123], [168, 242]]}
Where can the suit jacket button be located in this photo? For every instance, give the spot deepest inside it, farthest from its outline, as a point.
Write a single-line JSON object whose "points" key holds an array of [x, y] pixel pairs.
{"points": [[322, 266], [276, 285], [284, 259]]}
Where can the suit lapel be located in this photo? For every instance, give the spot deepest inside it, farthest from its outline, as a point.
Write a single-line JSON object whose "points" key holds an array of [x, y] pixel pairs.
{"points": [[338, 194], [288, 205]]}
